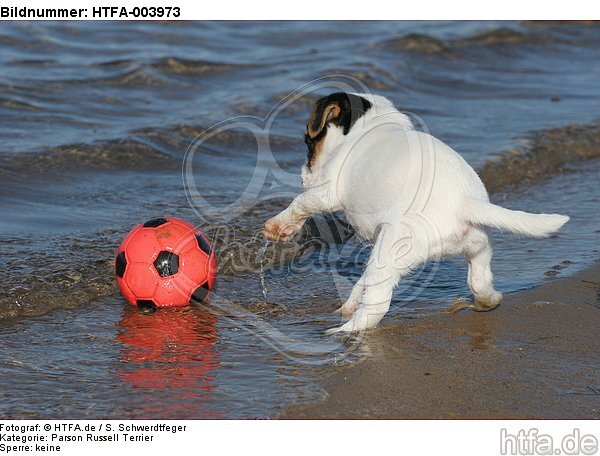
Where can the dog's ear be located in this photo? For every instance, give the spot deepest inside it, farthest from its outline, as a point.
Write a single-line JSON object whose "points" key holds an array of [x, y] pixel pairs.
{"points": [[342, 109], [322, 113]]}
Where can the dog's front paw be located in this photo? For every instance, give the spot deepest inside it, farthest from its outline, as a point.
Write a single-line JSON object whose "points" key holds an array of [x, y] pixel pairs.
{"points": [[276, 230]]}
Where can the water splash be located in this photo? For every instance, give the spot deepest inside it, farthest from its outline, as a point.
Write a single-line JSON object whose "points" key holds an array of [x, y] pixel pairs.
{"points": [[261, 259]]}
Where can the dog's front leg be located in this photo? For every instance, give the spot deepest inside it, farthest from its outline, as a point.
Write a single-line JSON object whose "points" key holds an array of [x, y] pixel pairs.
{"points": [[288, 222]]}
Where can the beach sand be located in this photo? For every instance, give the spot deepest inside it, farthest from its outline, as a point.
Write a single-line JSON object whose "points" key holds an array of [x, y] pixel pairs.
{"points": [[535, 356]]}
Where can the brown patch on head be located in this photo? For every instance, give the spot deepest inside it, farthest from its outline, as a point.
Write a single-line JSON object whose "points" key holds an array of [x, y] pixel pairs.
{"points": [[315, 151], [316, 129], [319, 117]]}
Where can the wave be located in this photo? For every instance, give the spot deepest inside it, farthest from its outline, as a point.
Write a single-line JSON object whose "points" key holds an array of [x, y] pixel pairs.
{"points": [[9, 103], [130, 75], [122, 154], [174, 65], [121, 63], [70, 274], [42, 44], [416, 42], [34, 63], [501, 35], [137, 77], [145, 149], [546, 153], [134, 73], [139, 74], [371, 75], [427, 44], [226, 142]]}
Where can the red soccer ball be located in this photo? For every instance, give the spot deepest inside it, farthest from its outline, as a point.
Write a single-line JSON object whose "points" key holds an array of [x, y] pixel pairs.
{"points": [[165, 262]]}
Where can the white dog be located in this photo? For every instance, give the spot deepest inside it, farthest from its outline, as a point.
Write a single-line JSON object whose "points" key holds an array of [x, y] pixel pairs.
{"points": [[407, 192]]}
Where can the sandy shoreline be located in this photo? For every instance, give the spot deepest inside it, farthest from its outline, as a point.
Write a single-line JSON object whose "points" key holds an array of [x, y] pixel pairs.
{"points": [[536, 356]]}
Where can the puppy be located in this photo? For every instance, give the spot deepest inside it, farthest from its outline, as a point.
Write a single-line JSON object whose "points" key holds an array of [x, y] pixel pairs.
{"points": [[403, 190]]}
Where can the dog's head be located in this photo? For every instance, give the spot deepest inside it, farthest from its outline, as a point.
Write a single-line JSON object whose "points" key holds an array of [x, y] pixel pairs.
{"points": [[332, 117]]}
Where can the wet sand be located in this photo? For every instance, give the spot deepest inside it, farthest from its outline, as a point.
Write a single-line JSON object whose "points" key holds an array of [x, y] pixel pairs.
{"points": [[536, 356]]}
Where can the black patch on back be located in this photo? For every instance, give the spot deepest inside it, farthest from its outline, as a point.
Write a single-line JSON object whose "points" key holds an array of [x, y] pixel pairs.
{"points": [[352, 108]]}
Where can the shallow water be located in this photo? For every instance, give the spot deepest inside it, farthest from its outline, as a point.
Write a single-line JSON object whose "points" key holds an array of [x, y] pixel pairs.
{"points": [[93, 139]]}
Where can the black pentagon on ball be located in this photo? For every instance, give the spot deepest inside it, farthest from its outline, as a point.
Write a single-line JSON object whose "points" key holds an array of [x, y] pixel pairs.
{"points": [[155, 222], [201, 293], [203, 244], [167, 263], [120, 264]]}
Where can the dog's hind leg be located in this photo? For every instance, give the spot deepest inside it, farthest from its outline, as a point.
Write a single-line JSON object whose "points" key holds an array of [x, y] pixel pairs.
{"points": [[389, 261], [478, 250], [354, 299]]}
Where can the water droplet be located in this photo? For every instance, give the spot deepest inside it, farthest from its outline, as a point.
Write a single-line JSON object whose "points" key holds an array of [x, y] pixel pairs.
{"points": [[261, 259]]}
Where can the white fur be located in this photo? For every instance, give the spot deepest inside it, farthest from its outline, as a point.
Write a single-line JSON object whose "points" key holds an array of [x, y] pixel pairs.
{"points": [[413, 197]]}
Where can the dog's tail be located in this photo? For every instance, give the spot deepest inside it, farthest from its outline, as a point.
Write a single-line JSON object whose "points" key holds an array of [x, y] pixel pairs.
{"points": [[518, 222]]}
